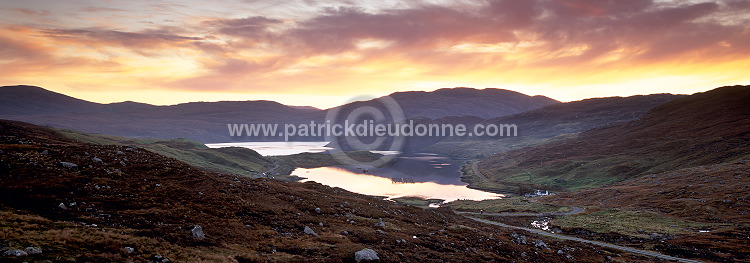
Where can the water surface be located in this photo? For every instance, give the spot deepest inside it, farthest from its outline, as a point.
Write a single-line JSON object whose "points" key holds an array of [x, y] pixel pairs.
{"points": [[276, 148], [434, 177]]}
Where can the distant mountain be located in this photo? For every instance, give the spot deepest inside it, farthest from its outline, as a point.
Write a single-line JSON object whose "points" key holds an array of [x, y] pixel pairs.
{"points": [[207, 121], [201, 121], [704, 128], [482, 103], [560, 119]]}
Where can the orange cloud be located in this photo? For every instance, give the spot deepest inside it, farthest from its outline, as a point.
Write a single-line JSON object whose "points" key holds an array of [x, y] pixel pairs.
{"points": [[541, 47]]}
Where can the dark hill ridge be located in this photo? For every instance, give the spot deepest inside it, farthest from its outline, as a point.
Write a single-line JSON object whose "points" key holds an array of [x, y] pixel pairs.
{"points": [[540, 125], [704, 128], [133, 198], [206, 121], [485, 103]]}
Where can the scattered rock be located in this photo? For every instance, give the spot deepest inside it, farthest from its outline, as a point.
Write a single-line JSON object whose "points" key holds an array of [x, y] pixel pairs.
{"points": [[45, 152], [380, 223], [344, 232], [120, 153], [317, 210], [33, 250], [96, 160], [518, 239], [122, 163], [540, 244], [366, 255], [560, 252], [309, 231], [15, 253], [129, 250], [159, 258], [197, 232], [62, 206], [68, 165], [129, 149]]}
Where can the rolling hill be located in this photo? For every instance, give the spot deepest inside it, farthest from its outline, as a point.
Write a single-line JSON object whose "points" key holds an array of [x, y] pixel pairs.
{"points": [[83, 202], [704, 128], [207, 121]]}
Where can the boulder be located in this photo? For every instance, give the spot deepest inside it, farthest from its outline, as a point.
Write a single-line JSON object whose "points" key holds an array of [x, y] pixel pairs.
{"points": [[197, 232], [33, 250], [129, 250], [309, 231], [15, 253], [68, 165], [367, 255], [540, 244]]}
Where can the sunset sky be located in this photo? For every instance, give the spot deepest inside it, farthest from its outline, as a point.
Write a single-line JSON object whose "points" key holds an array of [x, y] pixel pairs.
{"points": [[321, 53]]}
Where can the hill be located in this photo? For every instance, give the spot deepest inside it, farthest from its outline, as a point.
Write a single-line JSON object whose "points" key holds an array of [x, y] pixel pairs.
{"points": [[483, 103], [134, 205], [555, 121], [704, 128], [207, 121], [703, 211]]}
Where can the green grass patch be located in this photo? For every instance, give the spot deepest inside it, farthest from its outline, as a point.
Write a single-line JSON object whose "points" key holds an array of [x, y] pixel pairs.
{"points": [[416, 201], [509, 204], [631, 223]]}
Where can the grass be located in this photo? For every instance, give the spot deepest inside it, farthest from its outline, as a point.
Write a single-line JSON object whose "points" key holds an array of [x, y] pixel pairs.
{"points": [[475, 182], [416, 201], [631, 223], [231, 160], [508, 204]]}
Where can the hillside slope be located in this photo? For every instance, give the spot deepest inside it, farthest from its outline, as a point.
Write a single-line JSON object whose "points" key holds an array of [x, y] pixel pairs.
{"points": [[704, 128], [540, 125], [134, 205]]}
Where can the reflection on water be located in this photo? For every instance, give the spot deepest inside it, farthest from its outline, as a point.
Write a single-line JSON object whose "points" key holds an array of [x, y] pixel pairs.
{"points": [[276, 148], [433, 177]]}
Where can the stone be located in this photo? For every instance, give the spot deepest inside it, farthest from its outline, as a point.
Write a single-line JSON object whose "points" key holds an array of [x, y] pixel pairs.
{"points": [[367, 255], [68, 165], [62, 206], [317, 210], [129, 250], [309, 231], [380, 223], [540, 244], [96, 160], [197, 232], [45, 152], [33, 250], [15, 253], [120, 153]]}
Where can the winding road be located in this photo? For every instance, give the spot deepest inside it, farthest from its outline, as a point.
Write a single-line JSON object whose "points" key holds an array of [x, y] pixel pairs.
{"points": [[574, 210], [602, 244], [475, 167]]}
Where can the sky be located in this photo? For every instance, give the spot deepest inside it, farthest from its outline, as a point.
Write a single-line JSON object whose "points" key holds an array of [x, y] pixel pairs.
{"points": [[321, 53]]}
